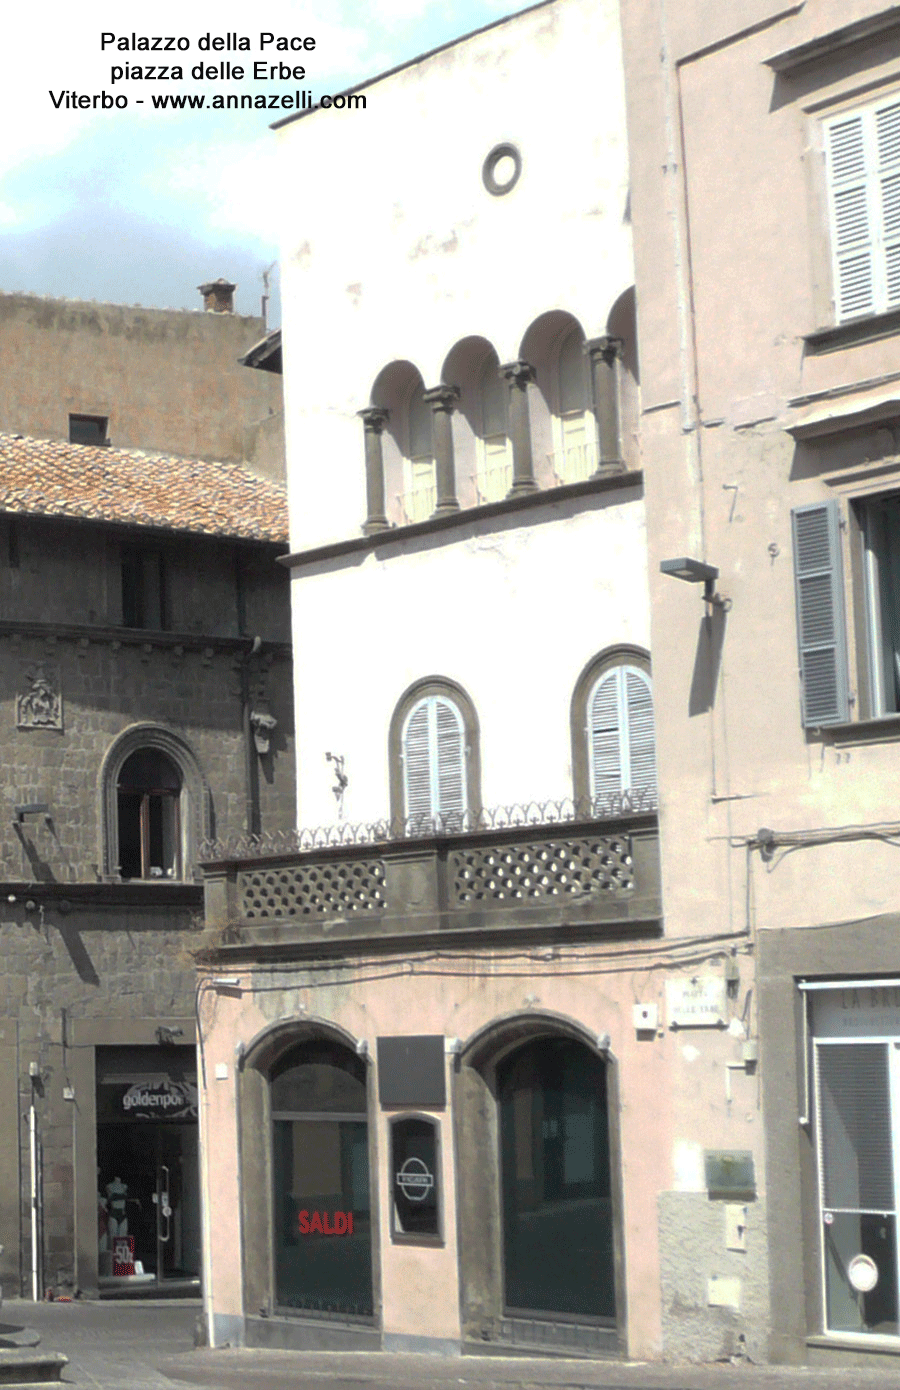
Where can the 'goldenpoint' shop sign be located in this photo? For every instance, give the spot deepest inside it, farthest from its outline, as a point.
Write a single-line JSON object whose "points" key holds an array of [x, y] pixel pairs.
{"points": [[161, 1100]]}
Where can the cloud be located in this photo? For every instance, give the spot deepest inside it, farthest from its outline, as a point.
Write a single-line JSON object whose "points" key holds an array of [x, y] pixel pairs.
{"points": [[88, 197], [146, 262]]}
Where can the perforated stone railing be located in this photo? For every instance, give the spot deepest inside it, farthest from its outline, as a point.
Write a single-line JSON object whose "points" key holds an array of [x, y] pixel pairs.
{"points": [[521, 864], [301, 890], [543, 869]]}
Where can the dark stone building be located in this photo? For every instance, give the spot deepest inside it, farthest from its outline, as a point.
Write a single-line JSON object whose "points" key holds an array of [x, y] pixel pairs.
{"points": [[145, 707]]}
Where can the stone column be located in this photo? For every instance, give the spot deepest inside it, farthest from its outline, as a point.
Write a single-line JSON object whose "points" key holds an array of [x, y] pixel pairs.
{"points": [[442, 400], [606, 354], [374, 420], [518, 375]]}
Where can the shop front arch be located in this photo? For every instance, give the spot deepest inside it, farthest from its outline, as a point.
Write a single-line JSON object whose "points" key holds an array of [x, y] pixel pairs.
{"points": [[555, 1177], [320, 1173], [539, 1218], [309, 1228]]}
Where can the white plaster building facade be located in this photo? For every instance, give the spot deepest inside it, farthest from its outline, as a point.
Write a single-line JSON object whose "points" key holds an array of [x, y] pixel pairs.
{"points": [[462, 974]]}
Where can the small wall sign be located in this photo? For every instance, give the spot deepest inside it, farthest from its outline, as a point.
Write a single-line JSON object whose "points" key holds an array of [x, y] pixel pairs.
{"points": [[696, 1003], [414, 1160]]}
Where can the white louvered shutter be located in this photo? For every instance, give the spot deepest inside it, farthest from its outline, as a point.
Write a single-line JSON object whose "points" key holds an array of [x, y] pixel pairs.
{"points": [[821, 634], [449, 734], [621, 737], [641, 737], [434, 763], [851, 217], [862, 150], [417, 764], [605, 737], [887, 141]]}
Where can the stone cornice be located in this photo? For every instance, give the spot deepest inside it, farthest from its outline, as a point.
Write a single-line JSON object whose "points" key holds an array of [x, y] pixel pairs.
{"points": [[66, 898], [178, 643], [397, 536], [836, 42]]}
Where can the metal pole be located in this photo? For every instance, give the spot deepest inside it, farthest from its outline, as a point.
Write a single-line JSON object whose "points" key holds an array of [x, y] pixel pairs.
{"points": [[32, 1141]]}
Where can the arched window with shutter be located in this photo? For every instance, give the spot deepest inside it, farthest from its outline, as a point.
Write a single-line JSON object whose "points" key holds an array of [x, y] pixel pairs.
{"points": [[434, 758], [614, 745]]}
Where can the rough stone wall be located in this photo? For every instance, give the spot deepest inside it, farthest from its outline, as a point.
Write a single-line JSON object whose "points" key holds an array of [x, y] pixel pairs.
{"points": [[110, 952], [91, 964], [70, 572], [195, 694], [167, 380], [696, 1267]]}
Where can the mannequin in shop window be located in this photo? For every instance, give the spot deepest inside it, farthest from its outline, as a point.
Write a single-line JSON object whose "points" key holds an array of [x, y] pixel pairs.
{"points": [[116, 1196]]}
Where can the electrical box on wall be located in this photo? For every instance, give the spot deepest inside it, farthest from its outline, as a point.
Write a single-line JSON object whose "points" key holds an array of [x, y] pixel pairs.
{"points": [[646, 1017]]}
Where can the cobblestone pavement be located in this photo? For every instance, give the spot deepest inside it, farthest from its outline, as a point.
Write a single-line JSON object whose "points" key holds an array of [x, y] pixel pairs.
{"points": [[110, 1346], [148, 1345]]}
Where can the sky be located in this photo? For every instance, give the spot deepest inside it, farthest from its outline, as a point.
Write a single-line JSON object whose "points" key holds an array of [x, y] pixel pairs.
{"points": [[138, 205]]}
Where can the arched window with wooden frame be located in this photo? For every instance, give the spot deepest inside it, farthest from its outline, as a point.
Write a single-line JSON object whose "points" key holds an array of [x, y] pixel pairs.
{"points": [[613, 735], [154, 806], [434, 759], [148, 793]]}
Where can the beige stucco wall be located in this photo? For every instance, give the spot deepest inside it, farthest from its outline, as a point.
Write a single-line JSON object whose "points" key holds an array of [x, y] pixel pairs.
{"points": [[668, 1082], [724, 490], [732, 271]]}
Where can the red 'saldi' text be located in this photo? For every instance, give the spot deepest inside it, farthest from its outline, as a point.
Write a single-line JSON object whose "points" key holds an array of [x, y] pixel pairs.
{"points": [[339, 1223]]}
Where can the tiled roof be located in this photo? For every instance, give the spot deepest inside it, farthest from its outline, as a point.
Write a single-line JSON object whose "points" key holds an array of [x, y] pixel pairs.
{"points": [[135, 489]]}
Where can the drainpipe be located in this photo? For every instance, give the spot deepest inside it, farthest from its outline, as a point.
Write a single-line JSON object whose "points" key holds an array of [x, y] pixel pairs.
{"points": [[205, 1213], [36, 1212]]}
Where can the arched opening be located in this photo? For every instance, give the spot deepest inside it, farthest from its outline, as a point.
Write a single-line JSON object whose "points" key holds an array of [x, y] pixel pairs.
{"points": [[433, 747], [320, 1173], [481, 435], [154, 805], [148, 797], [563, 429], [555, 1175], [613, 735], [410, 486]]}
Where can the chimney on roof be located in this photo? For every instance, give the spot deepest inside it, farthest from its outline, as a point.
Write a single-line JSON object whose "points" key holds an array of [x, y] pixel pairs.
{"points": [[218, 296]]}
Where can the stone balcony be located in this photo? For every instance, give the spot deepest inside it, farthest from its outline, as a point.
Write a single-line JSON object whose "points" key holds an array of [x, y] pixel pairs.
{"points": [[503, 877]]}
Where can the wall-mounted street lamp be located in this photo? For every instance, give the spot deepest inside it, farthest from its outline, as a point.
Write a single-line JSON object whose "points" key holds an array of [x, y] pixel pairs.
{"points": [[696, 572]]}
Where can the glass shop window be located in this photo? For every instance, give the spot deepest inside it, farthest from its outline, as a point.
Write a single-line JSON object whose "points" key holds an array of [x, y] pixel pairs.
{"points": [[856, 1085], [320, 1174]]}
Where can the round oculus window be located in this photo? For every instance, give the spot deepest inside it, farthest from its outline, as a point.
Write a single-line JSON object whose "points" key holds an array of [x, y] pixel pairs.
{"points": [[500, 171]]}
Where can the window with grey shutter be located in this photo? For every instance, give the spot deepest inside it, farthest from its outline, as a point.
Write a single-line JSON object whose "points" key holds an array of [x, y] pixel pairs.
{"points": [[821, 633], [621, 738], [434, 764]]}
